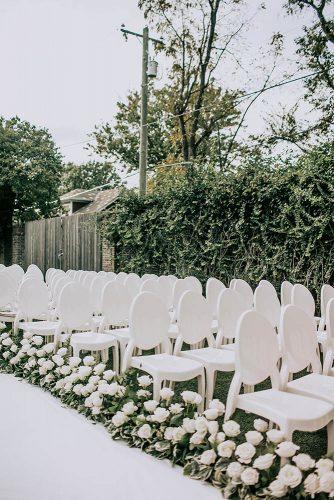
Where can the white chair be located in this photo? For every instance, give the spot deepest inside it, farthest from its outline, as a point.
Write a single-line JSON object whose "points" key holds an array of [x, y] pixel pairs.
{"points": [[302, 297], [267, 303], [231, 306], [286, 293], [87, 280], [172, 278], [150, 285], [256, 358], [132, 283], [96, 289], [242, 287], [194, 328], [7, 297], [212, 291], [76, 313], [148, 276], [149, 321], [232, 283], [180, 287], [121, 277], [299, 346], [327, 293], [267, 284], [34, 272], [33, 304], [166, 290], [195, 283], [110, 275], [329, 352]]}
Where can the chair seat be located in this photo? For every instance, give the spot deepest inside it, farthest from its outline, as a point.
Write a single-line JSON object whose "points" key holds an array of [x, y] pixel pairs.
{"points": [[228, 347], [92, 341], [314, 385], [39, 327], [211, 357], [301, 412], [168, 367], [122, 335]]}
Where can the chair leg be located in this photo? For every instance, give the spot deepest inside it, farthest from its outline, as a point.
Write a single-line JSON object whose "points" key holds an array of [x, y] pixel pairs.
{"points": [[76, 351], [209, 387], [156, 388], [104, 355], [115, 359], [201, 391], [330, 437]]}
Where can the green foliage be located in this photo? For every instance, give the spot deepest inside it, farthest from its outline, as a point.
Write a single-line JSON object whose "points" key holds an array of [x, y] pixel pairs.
{"points": [[30, 170], [89, 175], [264, 220]]}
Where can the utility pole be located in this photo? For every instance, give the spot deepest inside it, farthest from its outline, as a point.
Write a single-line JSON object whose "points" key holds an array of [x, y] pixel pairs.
{"points": [[146, 73]]}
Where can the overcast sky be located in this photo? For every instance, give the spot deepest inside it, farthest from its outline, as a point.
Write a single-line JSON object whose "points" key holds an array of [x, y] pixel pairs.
{"points": [[65, 64]]}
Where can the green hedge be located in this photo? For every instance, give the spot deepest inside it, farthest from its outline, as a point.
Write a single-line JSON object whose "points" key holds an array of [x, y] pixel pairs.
{"points": [[266, 219]]}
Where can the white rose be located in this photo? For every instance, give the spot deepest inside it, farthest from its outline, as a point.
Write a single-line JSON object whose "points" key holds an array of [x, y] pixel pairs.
{"points": [[73, 377], [88, 360], [144, 432], [7, 342], [62, 351], [304, 461], [129, 408], [103, 389], [74, 361], [144, 381], [88, 402], [31, 362], [37, 340], [168, 435], [160, 415], [189, 425], [245, 452], [217, 438], [68, 386], [253, 437], [175, 408], [96, 410], [14, 360], [84, 371], [108, 375], [226, 449], [260, 425], [311, 484], [40, 353], [27, 335], [119, 419], [211, 414], [217, 405], [49, 348], [60, 384], [208, 457], [277, 488], [290, 476], [324, 465], [275, 436], [32, 351], [94, 379], [143, 393], [197, 438], [4, 335], [178, 434], [249, 476], [327, 482], [49, 365], [41, 361], [25, 348], [57, 359], [99, 369], [14, 348], [6, 355], [213, 427], [96, 399], [65, 370], [201, 424], [286, 449], [77, 389], [166, 393], [264, 462], [231, 428], [191, 397], [150, 405], [49, 378], [234, 470]]}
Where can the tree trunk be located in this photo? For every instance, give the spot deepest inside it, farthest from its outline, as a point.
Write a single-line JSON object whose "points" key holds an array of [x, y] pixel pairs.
{"points": [[7, 199]]}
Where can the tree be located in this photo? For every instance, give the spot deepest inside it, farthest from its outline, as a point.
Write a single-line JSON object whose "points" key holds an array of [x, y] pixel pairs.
{"points": [[30, 171], [315, 48], [89, 175]]}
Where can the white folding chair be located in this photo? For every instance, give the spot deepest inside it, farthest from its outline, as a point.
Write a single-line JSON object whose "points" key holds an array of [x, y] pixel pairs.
{"points": [[149, 321], [267, 303], [286, 293], [329, 351], [241, 286], [231, 306], [180, 286], [212, 291]]}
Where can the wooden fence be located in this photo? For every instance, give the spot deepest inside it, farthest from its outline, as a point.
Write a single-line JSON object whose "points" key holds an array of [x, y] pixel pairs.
{"points": [[71, 242]]}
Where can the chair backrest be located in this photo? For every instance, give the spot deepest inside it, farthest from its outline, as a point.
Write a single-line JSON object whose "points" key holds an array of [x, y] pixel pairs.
{"points": [[115, 304], [194, 320], [195, 283], [8, 290], [148, 276], [327, 293], [302, 297], [149, 322], [110, 275], [256, 351], [49, 274], [74, 307], [33, 299], [150, 285], [166, 290], [34, 272], [267, 303], [286, 293], [96, 288], [256, 356], [172, 278], [232, 283], [245, 289], [330, 322], [181, 286], [132, 284], [213, 289], [61, 282], [267, 284], [121, 277], [299, 342], [87, 280], [231, 306], [16, 272]]}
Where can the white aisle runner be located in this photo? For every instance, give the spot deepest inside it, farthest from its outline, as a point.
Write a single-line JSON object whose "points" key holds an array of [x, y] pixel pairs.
{"points": [[48, 452]]}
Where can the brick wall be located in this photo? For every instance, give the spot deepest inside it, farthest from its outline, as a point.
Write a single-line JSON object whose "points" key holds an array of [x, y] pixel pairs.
{"points": [[18, 255], [108, 257]]}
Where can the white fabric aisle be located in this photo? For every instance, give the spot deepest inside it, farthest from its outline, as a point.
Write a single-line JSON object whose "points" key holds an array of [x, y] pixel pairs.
{"points": [[48, 452]]}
